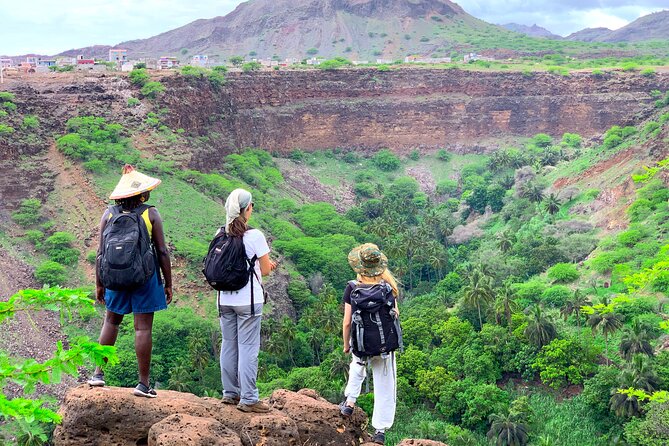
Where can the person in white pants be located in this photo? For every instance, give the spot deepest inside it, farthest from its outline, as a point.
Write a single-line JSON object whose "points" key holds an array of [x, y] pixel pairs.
{"points": [[371, 266]]}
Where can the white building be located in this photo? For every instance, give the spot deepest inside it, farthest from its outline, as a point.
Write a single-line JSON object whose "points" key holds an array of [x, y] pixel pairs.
{"points": [[200, 60]]}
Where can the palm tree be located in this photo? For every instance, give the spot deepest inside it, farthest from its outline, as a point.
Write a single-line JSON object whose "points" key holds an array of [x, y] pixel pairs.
{"points": [[607, 324], [635, 340], [574, 305], [533, 192], [639, 374], [540, 329], [478, 292], [506, 430], [505, 241], [552, 204], [506, 303]]}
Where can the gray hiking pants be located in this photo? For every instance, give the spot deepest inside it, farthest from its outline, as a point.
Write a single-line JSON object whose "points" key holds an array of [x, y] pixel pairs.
{"points": [[239, 351]]}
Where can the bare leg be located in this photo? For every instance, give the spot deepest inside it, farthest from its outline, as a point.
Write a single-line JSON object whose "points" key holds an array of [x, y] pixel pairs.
{"points": [[109, 331], [143, 345]]}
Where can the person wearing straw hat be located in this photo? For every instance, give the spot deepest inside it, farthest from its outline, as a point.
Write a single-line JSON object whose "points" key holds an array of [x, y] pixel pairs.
{"points": [[130, 195], [373, 278], [241, 311]]}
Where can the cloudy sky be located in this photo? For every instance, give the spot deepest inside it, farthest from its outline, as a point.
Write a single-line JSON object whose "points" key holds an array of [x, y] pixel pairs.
{"points": [[52, 26]]}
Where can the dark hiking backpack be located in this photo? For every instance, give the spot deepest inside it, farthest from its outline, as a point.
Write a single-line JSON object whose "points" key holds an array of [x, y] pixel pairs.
{"points": [[376, 327], [127, 260], [226, 266]]}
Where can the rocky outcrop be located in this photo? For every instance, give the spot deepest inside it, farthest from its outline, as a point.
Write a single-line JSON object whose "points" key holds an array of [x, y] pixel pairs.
{"points": [[367, 109], [111, 416]]}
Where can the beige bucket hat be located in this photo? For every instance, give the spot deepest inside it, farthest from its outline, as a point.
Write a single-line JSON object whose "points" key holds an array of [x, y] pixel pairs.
{"points": [[368, 260], [133, 183]]}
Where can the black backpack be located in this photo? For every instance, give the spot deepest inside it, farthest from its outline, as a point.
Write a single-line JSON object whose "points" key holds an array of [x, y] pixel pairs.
{"points": [[226, 266], [376, 327], [127, 260]]}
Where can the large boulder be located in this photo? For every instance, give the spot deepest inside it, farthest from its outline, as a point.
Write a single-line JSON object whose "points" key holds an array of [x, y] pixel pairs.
{"points": [[112, 416]]}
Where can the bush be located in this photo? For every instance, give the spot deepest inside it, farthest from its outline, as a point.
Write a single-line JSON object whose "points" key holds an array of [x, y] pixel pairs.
{"points": [[612, 141], [386, 160], [444, 155], [59, 248], [6, 129], [566, 361], [447, 187], [152, 89], [50, 273], [414, 155], [364, 189], [563, 273], [251, 66], [35, 236], [139, 77], [133, 102], [572, 140], [10, 106], [541, 140], [28, 213], [6, 96], [556, 296], [30, 122], [630, 237]]}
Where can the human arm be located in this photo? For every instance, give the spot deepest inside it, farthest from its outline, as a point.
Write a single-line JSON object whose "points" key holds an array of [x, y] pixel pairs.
{"points": [[346, 327], [158, 237], [99, 289], [266, 265]]}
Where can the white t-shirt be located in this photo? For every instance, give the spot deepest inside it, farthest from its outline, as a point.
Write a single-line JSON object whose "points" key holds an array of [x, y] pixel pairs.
{"points": [[255, 244]]}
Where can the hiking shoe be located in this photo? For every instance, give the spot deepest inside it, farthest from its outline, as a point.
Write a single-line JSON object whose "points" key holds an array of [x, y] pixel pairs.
{"points": [[258, 407], [142, 390], [379, 437], [97, 380], [345, 409], [230, 400]]}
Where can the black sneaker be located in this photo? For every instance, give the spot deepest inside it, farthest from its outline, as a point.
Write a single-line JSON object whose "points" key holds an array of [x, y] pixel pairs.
{"points": [[345, 409], [142, 390], [379, 437], [97, 380]]}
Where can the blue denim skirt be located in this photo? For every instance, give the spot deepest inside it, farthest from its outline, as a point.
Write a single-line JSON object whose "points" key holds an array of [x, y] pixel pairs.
{"points": [[148, 298]]}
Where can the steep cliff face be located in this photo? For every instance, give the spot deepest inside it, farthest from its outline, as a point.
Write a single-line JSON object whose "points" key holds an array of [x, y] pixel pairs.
{"points": [[403, 109]]}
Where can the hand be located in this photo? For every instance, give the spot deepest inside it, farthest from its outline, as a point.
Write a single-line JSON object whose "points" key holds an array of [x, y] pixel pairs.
{"points": [[347, 348], [100, 294], [168, 294], [273, 264]]}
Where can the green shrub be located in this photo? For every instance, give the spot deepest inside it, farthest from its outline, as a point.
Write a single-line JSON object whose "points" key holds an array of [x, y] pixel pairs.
{"points": [[10, 106], [447, 187], [364, 189], [152, 89], [133, 102], [566, 361], [6, 129], [59, 248], [640, 210], [444, 155], [35, 236], [414, 155], [193, 250], [251, 66], [572, 140], [139, 77], [541, 140], [50, 273], [612, 141], [648, 72], [333, 64], [28, 213], [91, 257], [563, 273], [30, 122], [386, 160], [6, 96], [312, 51], [630, 66], [630, 237], [556, 295]]}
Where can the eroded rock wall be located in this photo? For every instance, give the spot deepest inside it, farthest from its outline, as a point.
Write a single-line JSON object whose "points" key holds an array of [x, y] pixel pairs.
{"points": [[367, 109]]}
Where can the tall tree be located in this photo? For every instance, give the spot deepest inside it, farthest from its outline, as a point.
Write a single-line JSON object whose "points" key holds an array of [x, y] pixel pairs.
{"points": [[639, 374], [506, 303], [505, 241], [606, 324], [636, 340], [574, 305], [552, 204], [540, 328], [507, 430], [478, 291]]}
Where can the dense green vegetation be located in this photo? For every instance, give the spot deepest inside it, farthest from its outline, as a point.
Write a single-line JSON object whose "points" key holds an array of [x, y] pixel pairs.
{"points": [[519, 315]]}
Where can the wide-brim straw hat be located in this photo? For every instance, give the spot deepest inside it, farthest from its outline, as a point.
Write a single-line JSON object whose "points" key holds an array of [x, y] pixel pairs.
{"points": [[368, 260], [133, 183]]}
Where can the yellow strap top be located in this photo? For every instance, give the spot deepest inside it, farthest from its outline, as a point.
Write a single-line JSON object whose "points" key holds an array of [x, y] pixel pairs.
{"points": [[147, 220]]}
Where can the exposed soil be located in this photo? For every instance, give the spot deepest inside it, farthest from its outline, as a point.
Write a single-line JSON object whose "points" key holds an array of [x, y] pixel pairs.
{"points": [[424, 177], [307, 185]]}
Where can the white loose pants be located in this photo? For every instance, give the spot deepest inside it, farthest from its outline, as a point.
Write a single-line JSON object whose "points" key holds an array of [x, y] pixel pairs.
{"points": [[384, 373]]}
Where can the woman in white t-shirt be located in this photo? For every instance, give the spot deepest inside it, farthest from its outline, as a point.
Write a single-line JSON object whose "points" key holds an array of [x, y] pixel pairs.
{"points": [[240, 324]]}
